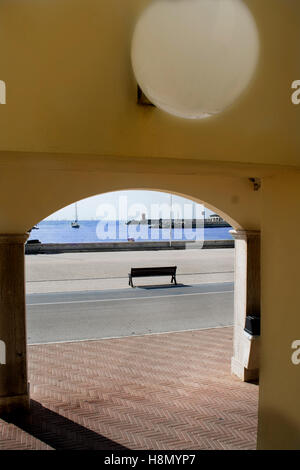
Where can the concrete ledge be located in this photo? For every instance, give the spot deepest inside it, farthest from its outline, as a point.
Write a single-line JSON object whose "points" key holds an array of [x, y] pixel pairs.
{"points": [[246, 363], [252, 360], [10, 405], [213, 244], [246, 375], [47, 248]]}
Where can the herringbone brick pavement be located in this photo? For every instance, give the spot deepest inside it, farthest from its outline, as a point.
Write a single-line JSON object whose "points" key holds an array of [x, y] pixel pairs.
{"points": [[168, 391]]}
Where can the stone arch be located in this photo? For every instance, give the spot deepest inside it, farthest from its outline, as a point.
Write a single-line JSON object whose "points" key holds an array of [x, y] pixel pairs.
{"points": [[231, 197], [234, 223]]}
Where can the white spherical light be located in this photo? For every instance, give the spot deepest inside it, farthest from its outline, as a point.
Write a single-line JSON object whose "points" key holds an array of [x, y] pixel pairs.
{"points": [[193, 58]]}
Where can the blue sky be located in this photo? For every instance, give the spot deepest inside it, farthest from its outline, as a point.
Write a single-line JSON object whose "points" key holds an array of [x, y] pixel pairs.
{"points": [[133, 202]]}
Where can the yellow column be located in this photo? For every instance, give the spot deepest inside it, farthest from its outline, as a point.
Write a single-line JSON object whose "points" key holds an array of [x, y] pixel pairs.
{"points": [[245, 360], [13, 361]]}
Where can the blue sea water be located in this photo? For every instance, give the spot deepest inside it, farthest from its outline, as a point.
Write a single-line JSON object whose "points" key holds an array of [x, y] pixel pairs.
{"points": [[94, 231]]}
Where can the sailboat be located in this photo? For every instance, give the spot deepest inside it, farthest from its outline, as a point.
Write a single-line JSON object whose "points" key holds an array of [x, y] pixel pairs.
{"points": [[75, 224]]}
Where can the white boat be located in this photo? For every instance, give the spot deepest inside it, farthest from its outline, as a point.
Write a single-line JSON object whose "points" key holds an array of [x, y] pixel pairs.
{"points": [[75, 224]]}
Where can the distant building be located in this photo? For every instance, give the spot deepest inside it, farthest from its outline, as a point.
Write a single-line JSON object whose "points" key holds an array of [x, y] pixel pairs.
{"points": [[215, 218]]}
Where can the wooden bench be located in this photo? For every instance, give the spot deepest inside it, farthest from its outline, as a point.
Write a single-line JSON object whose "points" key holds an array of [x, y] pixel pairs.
{"points": [[151, 272]]}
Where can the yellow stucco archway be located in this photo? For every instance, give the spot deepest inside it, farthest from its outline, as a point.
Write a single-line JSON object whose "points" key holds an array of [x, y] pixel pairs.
{"points": [[47, 189], [234, 223]]}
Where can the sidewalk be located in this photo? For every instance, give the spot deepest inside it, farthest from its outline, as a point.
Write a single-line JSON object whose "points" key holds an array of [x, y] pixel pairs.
{"points": [[94, 271], [169, 391]]}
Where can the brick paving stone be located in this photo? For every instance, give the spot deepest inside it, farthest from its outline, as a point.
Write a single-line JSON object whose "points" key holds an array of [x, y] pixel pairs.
{"points": [[169, 391]]}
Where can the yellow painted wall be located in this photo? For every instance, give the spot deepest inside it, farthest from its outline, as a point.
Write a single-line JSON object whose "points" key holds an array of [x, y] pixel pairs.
{"points": [[71, 128], [70, 87], [279, 404]]}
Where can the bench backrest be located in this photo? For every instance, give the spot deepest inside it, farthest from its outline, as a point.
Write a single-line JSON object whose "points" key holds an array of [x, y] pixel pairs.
{"points": [[155, 271]]}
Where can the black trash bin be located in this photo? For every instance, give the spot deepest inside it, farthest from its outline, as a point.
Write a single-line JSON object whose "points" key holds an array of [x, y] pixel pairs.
{"points": [[252, 325]]}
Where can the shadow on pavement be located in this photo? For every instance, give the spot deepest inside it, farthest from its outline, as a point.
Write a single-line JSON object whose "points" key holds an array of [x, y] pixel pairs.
{"points": [[162, 286], [59, 432]]}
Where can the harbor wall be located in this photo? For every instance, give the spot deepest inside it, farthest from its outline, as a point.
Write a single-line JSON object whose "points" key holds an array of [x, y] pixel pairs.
{"points": [[181, 223], [48, 248]]}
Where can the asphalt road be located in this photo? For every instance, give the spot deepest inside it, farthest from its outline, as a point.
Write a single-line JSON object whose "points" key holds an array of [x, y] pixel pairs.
{"points": [[70, 316]]}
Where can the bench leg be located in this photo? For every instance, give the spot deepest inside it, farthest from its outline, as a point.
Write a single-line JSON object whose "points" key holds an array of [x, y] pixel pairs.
{"points": [[173, 279], [130, 281]]}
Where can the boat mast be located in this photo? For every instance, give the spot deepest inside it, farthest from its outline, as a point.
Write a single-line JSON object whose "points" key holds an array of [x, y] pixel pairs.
{"points": [[171, 213]]}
